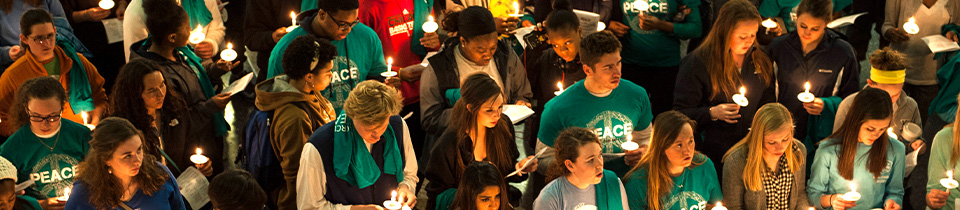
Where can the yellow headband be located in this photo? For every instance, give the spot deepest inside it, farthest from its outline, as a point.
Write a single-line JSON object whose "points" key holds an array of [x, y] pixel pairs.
{"points": [[888, 77]]}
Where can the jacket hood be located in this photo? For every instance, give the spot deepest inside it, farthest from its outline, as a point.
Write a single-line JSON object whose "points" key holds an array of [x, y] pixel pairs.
{"points": [[277, 91]]}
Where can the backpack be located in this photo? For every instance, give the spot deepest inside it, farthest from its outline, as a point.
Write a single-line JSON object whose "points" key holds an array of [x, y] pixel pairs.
{"points": [[257, 156]]}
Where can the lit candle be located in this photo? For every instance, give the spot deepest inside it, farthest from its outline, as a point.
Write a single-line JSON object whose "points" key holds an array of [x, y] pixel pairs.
{"points": [[719, 207], [430, 26], [601, 26], [197, 35], [560, 87], [739, 98], [106, 4], [198, 158], [641, 5], [806, 96], [293, 22], [629, 145], [228, 54], [853, 195], [516, 10], [911, 26], [86, 121], [392, 204], [890, 133], [389, 73], [769, 24], [66, 195], [949, 182]]}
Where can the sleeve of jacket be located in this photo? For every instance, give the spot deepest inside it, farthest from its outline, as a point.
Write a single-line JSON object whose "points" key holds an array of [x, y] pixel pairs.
{"points": [[440, 166], [850, 82], [733, 186], [803, 202], [692, 28], [96, 82], [69, 6], [520, 89], [215, 30], [689, 90], [435, 114], [257, 31], [891, 17], [290, 131], [819, 182]]}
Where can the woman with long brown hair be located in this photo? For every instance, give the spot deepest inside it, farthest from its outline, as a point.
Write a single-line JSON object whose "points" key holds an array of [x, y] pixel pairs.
{"points": [[860, 155], [481, 188], [944, 155], [479, 132], [578, 177], [672, 173], [766, 169], [728, 61], [114, 176]]}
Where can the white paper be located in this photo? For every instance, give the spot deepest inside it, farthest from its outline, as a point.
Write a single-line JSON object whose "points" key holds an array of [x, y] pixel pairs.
{"points": [[429, 55], [238, 85], [222, 5], [956, 201], [940, 43], [527, 164], [588, 21], [844, 21], [193, 186], [24, 185], [911, 161], [114, 28], [520, 32], [517, 113]]}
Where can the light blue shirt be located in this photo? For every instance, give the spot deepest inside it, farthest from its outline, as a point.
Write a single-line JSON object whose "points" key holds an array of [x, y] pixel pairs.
{"points": [[825, 177]]}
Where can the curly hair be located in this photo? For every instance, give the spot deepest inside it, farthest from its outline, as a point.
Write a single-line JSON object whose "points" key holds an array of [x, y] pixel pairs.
{"points": [[126, 101], [568, 148], [596, 45], [372, 102], [36, 88], [303, 52], [105, 188]]}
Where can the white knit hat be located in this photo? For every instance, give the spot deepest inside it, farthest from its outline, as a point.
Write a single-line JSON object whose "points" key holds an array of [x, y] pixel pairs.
{"points": [[7, 171]]}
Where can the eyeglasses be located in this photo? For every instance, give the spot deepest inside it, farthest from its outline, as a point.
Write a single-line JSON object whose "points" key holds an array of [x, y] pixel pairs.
{"points": [[45, 39], [50, 118], [344, 25]]}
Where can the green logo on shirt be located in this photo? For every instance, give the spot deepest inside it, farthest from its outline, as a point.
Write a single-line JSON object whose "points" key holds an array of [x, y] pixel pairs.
{"points": [[612, 127], [54, 173]]}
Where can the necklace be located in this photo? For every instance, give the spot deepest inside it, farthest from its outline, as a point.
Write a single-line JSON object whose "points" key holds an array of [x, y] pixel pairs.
{"points": [[48, 146]]}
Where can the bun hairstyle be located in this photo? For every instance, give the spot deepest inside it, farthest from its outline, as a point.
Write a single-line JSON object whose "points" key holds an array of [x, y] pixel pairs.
{"points": [[471, 22], [163, 17], [887, 59], [562, 18]]}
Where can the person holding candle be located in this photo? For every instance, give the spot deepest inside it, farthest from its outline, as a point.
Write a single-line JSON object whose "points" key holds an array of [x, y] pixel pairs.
{"points": [[617, 110], [944, 155], [236, 189], [578, 177], [45, 143], [204, 13], [8, 181], [141, 96], [481, 188], [766, 170], [812, 54], [673, 175], [478, 132], [87, 16], [860, 154], [117, 175], [264, 25], [358, 160], [46, 55], [298, 108], [709, 76]]}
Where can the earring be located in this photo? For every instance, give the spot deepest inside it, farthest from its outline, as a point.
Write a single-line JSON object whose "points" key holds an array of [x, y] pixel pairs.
{"points": [[109, 170]]}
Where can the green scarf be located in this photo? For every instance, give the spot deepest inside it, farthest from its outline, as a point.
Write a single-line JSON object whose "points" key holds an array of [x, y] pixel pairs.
{"points": [[452, 95], [81, 94], [354, 163], [198, 12], [308, 5], [608, 192], [445, 199]]}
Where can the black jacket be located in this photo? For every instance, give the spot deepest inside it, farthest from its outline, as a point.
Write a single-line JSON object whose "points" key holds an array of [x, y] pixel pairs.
{"points": [[261, 19]]}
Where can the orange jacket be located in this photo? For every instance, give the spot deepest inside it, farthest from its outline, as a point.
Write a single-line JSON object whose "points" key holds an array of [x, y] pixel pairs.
{"points": [[27, 67]]}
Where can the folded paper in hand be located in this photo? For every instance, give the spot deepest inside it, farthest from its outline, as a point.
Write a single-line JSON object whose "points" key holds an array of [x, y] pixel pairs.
{"points": [[527, 164], [193, 187], [844, 21], [517, 113], [238, 85], [939, 43]]}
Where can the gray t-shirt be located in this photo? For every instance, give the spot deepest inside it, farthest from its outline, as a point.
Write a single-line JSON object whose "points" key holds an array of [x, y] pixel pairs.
{"points": [[560, 194]]}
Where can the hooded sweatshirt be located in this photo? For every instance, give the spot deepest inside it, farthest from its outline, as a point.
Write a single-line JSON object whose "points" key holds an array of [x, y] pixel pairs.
{"points": [[295, 116]]}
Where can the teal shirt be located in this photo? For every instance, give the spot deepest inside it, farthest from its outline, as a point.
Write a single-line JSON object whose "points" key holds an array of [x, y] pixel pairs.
{"points": [[51, 170], [613, 117], [655, 47], [825, 178], [365, 61], [695, 188], [940, 163]]}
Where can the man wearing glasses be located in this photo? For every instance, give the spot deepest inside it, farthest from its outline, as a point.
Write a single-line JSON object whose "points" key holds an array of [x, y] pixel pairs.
{"points": [[46, 56], [359, 52]]}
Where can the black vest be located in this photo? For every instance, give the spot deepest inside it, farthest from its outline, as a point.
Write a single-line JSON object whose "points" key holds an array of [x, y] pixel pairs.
{"points": [[448, 76]]}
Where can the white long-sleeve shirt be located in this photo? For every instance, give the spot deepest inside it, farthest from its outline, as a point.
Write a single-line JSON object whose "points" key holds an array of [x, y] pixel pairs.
{"points": [[312, 180], [135, 29]]}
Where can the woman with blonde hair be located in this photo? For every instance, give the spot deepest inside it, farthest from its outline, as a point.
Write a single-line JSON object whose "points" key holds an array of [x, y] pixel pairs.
{"points": [[944, 155], [672, 173], [765, 170]]}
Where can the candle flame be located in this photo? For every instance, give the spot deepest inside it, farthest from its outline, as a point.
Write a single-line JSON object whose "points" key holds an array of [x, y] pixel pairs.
{"points": [[743, 90], [66, 192], [199, 151], [806, 86], [769, 23], [84, 116], [560, 85], [719, 204], [389, 60], [393, 195], [293, 18], [911, 20], [516, 7], [229, 45], [950, 174], [853, 187], [890, 132], [430, 18]]}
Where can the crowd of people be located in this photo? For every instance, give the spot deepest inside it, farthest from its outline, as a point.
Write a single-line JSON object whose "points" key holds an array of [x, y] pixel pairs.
{"points": [[372, 104]]}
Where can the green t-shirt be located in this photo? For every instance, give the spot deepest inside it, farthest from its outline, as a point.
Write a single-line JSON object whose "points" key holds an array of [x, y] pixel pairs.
{"points": [[613, 117], [53, 67], [655, 47], [693, 189], [355, 62], [51, 170]]}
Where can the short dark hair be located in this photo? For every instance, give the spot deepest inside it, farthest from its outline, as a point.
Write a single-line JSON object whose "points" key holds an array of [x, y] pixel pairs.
{"points": [[163, 17], [822, 9], [303, 51], [562, 17], [596, 45], [236, 189], [888, 59], [36, 88], [33, 17], [334, 6]]}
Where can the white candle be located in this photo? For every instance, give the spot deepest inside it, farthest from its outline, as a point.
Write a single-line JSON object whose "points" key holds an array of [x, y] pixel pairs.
{"points": [[516, 10], [719, 207], [853, 195], [197, 35], [392, 204], [806, 96], [66, 195], [430, 26], [560, 89], [389, 73], [641, 5], [86, 121], [890, 133], [198, 158], [911, 26], [601, 26], [106, 4], [629, 145], [949, 182], [739, 98], [228, 54], [293, 22], [769, 24]]}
